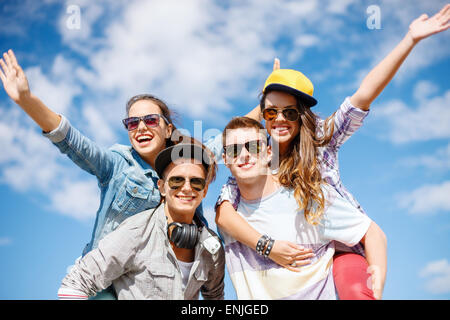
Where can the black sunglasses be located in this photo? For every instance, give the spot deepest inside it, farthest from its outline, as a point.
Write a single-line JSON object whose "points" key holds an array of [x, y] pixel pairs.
{"points": [[176, 182], [290, 114], [150, 120], [254, 147]]}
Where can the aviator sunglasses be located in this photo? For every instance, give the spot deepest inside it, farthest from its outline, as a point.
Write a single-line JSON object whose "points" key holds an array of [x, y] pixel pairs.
{"points": [[150, 120], [176, 182], [254, 147], [290, 114]]}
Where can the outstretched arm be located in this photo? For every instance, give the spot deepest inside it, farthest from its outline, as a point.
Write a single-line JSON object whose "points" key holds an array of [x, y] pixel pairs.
{"points": [[81, 150], [16, 86], [283, 252], [381, 75]]}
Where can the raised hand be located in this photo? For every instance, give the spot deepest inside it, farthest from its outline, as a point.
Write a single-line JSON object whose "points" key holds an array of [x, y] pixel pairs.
{"points": [[13, 78], [424, 27], [276, 64], [16, 86], [377, 79]]}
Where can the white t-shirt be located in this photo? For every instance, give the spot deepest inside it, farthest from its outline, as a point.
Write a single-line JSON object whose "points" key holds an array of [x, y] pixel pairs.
{"points": [[185, 268], [277, 215]]}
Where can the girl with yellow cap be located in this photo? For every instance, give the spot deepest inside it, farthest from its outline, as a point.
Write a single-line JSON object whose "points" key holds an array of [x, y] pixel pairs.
{"points": [[307, 147]]}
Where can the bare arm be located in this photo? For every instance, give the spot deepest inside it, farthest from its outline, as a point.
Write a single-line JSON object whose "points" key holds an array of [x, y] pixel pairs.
{"points": [[375, 244], [81, 150], [16, 86], [283, 252], [377, 79]]}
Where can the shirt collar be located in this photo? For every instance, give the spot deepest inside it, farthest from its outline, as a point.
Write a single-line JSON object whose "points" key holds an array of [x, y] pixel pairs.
{"points": [[144, 165], [162, 224]]}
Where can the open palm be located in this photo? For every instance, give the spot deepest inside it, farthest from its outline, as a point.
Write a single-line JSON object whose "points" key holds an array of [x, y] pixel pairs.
{"points": [[423, 26], [13, 78]]}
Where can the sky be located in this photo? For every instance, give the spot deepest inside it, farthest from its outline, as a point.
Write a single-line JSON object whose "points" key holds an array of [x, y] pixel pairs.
{"points": [[208, 60]]}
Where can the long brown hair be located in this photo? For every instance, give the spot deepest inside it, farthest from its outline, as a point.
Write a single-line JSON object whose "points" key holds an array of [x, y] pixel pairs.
{"points": [[299, 168]]}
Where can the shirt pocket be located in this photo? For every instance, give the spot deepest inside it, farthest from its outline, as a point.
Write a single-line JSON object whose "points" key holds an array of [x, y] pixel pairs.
{"points": [[162, 277], [136, 194]]}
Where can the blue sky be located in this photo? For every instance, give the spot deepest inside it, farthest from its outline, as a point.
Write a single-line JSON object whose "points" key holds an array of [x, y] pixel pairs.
{"points": [[208, 60]]}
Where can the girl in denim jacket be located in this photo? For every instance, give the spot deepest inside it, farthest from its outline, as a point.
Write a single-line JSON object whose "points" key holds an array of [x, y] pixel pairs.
{"points": [[125, 174]]}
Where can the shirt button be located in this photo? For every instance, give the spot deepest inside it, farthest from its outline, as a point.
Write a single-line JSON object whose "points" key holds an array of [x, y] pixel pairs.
{"points": [[135, 189]]}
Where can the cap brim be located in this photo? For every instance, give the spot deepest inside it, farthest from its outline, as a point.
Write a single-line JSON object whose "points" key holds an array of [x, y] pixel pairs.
{"points": [[180, 151], [310, 101]]}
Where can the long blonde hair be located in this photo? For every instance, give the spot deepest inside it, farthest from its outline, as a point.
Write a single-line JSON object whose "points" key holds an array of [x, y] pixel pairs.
{"points": [[299, 168]]}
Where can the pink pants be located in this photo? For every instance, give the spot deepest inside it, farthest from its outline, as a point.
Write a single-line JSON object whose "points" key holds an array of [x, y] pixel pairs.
{"points": [[350, 277]]}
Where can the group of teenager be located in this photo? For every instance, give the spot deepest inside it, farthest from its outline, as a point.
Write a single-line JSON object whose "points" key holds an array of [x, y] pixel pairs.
{"points": [[288, 227]]}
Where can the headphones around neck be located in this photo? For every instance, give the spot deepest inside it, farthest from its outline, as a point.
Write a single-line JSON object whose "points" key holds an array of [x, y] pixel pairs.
{"points": [[184, 235]]}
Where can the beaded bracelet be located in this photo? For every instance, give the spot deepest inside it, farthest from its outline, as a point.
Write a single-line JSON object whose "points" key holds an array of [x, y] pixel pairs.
{"points": [[262, 242]]}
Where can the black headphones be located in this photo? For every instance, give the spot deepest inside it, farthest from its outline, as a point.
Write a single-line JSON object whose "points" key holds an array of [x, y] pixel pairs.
{"points": [[185, 235]]}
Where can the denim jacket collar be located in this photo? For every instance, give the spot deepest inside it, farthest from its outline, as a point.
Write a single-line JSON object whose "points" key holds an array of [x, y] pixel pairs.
{"points": [[133, 157], [144, 165]]}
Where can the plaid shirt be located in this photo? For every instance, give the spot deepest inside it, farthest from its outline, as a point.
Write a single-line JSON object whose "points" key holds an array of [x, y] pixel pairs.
{"points": [[347, 119], [138, 259]]}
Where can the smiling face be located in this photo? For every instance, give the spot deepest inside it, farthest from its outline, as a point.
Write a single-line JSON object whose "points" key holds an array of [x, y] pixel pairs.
{"points": [[148, 142], [247, 166], [282, 130], [182, 201]]}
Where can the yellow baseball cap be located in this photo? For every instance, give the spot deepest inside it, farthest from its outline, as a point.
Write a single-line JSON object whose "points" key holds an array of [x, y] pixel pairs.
{"points": [[293, 82]]}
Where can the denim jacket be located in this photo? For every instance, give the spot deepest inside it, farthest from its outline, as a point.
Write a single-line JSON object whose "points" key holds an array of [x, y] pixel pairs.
{"points": [[127, 183]]}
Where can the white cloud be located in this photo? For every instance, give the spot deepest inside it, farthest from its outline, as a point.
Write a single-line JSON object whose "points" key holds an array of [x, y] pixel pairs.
{"points": [[18, 16], [30, 160], [396, 16], [5, 241], [438, 273], [97, 125], [425, 122], [197, 55], [58, 88], [89, 12], [301, 43], [427, 199], [372, 48], [427, 53], [306, 40], [33, 164], [78, 199], [196, 62], [339, 7], [439, 160], [424, 89], [200, 55]]}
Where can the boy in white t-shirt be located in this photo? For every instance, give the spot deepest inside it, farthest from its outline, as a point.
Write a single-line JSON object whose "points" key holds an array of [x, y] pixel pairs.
{"points": [[273, 211]]}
